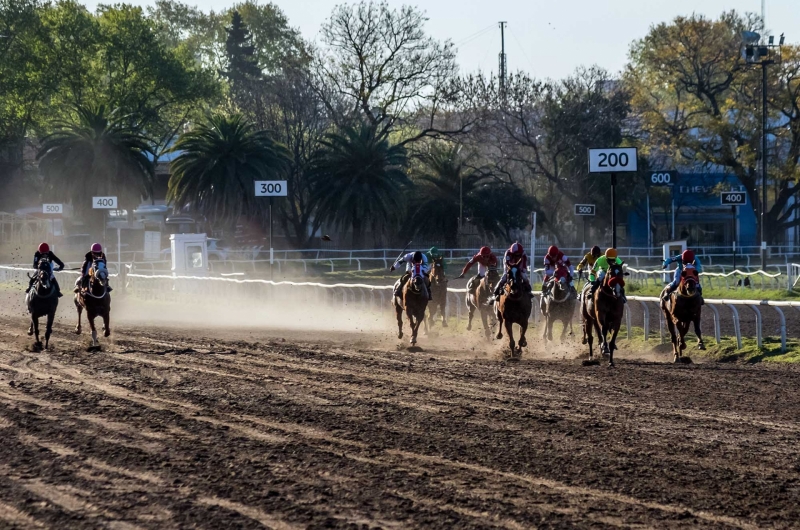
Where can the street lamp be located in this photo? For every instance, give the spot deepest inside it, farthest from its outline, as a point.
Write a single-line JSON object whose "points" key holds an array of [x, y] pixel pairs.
{"points": [[757, 53]]}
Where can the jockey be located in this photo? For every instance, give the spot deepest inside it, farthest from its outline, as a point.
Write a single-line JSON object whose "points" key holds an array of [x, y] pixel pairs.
{"points": [[485, 259], [416, 265], [514, 257], [552, 259], [44, 252], [433, 254], [95, 254], [688, 263], [588, 261], [601, 266]]}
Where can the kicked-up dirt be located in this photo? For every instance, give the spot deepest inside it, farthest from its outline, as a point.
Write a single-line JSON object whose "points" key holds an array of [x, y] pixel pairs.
{"points": [[245, 429]]}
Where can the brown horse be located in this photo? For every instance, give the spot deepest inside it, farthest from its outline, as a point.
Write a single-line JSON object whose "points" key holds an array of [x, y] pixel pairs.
{"points": [[682, 308], [42, 300], [604, 311], [414, 302], [96, 300], [513, 307], [438, 293], [478, 293], [558, 304]]}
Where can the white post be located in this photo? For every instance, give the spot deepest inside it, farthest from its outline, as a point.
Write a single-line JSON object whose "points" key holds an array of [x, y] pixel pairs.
{"points": [[649, 230], [119, 253], [533, 240]]}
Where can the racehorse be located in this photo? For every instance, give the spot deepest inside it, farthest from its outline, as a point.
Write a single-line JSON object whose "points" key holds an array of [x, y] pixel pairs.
{"points": [[42, 301], [681, 308], [438, 293], [478, 293], [414, 302], [513, 307], [604, 311], [96, 300], [559, 304]]}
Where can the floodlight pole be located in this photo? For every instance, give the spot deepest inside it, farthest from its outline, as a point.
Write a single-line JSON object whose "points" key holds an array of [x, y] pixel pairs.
{"points": [[764, 164]]}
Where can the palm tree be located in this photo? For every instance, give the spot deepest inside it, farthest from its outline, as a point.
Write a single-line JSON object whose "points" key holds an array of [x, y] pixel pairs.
{"points": [[358, 179], [219, 161], [446, 184], [97, 153]]}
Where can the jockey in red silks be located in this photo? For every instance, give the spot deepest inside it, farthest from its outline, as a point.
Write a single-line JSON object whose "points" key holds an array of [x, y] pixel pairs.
{"points": [[552, 260], [514, 257], [485, 259]]}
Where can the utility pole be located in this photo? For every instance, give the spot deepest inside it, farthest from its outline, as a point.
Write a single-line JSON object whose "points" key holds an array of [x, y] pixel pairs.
{"points": [[502, 68]]}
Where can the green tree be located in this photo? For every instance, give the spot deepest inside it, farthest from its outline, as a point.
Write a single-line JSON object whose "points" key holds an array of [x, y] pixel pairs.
{"points": [[97, 153], [242, 70], [219, 161], [698, 106], [358, 180], [443, 182]]}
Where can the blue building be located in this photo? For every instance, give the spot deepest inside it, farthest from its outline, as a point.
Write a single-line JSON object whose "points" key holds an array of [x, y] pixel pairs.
{"points": [[695, 214]]}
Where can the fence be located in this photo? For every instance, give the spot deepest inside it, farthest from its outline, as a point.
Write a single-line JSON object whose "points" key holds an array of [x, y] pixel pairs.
{"points": [[187, 289]]}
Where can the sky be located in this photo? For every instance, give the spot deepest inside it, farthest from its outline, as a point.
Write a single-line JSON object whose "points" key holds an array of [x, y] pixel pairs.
{"points": [[548, 39]]}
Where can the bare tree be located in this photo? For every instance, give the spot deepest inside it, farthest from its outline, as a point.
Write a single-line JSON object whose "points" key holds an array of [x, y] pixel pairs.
{"points": [[381, 63]]}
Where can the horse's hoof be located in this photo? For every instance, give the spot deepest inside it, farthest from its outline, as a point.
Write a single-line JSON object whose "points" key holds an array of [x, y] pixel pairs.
{"points": [[77, 332], [701, 346], [498, 336], [590, 362], [584, 341], [30, 333], [444, 324], [37, 346], [400, 335], [523, 344], [611, 364], [469, 327], [107, 333]]}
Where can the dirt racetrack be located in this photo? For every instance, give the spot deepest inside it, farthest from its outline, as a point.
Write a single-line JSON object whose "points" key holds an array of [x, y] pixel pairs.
{"points": [[245, 429]]}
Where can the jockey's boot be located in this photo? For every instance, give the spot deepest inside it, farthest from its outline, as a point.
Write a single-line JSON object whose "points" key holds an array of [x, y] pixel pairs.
{"points": [[496, 294], [668, 290], [529, 289], [58, 288], [624, 298], [700, 292]]}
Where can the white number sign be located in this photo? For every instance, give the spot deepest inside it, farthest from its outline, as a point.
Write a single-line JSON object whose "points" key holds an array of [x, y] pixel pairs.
{"points": [[271, 188], [733, 198], [661, 178], [584, 209], [104, 203], [617, 160], [52, 208]]}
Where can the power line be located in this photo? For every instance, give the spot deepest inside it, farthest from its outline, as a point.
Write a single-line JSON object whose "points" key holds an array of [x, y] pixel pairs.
{"points": [[522, 49], [474, 35]]}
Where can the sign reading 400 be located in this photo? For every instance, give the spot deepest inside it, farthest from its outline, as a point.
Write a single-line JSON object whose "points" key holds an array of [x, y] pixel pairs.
{"points": [[271, 188], [104, 203]]}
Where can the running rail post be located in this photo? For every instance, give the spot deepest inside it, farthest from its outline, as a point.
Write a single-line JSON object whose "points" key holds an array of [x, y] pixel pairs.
{"points": [[736, 328], [628, 321], [758, 325], [717, 331], [661, 325], [646, 323], [783, 328]]}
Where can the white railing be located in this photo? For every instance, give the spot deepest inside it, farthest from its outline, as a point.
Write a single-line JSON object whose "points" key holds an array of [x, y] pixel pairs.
{"points": [[185, 289]]}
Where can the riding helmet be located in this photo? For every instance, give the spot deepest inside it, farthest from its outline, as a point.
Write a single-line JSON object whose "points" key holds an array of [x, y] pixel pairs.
{"points": [[97, 248], [44, 248], [687, 256], [417, 257], [552, 251], [516, 249], [596, 251], [434, 251], [485, 252], [611, 253]]}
